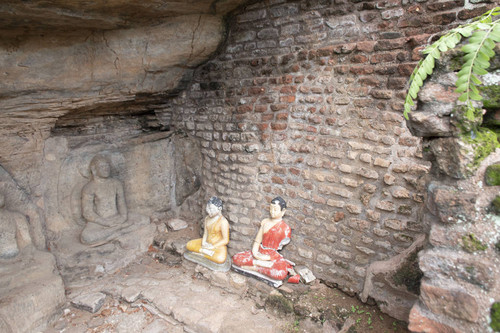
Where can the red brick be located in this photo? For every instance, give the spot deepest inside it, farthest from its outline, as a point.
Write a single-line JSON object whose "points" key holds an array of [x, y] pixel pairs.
{"points": [[288, 90], [383, 57], [440, 6], [256, 90], [326, 51], [406, 69], [365, 46], [244, 108], [277, 180], [359, 59], [263, 126], [294, 171], [369, 81], [331, 121], [445, 18], [420, 322], [267, 117], [278, 126], [390, 44], [260, 108], [315, 119], [361, 70], [450, 301], [287, 99], [282, 116], [338, 216], [278, 107]]}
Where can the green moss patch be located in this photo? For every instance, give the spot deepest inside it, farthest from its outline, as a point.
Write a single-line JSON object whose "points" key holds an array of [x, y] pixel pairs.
{"points": [[409, 275], [279, 303], [495, 317], [492, 175], [495, 205], [491, 96], [471, 244], [483, 141]]}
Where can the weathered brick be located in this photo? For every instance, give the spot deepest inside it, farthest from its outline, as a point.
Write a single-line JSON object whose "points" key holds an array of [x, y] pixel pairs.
{"points": [[324, 259], [372, 215], [395, 224], [450, 301], [345, 168], [380, 232], [353, 209], [367, 158], [387, 206], [367, 173], [382, 163], [365, 250], [389, 179], [357, 224], [304, 253], [400, 193]]}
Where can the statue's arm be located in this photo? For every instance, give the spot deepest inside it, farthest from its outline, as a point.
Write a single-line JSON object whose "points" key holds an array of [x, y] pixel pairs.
{"points": [[120, 201], [23, 231], [256, 244], [204, 242], [225, 233], [88, 206]]}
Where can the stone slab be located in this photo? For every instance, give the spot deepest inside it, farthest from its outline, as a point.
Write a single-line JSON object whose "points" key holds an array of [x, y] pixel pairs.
{"points": [[89, 302]]}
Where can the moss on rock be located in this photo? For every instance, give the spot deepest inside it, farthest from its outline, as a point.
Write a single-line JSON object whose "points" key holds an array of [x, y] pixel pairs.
{"points": [[495, 317], [409, 275], [495, 205], [279, 303], [492, 175], [483, 141], [471, 244], [491, 96]]}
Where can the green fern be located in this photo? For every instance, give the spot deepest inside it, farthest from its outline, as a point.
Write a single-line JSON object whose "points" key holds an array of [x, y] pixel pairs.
{"points": [[482, 35]]}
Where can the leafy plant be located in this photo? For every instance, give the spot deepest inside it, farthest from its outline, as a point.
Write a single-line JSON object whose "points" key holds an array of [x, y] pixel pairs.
{"points": [[482, 35]]}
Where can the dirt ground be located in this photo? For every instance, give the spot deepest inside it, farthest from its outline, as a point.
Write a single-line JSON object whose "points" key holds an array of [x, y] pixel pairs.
{"points": [[244, 304]]}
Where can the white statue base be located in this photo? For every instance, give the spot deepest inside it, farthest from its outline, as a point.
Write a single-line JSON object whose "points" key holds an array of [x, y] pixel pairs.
{"points": [[200, 259], [258, 276]]}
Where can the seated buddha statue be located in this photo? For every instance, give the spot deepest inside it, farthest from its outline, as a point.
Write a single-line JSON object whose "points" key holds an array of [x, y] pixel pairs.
{"points": [[264, 261], [103, 205], [213, 245], [14, 231]]}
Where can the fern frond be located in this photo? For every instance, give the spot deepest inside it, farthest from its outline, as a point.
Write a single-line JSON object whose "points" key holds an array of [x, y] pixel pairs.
{"points": [[482, 35], [477, 54]]}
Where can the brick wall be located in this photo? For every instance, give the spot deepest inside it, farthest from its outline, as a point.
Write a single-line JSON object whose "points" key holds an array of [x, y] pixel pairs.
{"points": [[305, 101]]}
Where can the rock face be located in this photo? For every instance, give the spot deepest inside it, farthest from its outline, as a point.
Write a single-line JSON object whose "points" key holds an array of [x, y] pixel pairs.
{"points": [[460, 268]]}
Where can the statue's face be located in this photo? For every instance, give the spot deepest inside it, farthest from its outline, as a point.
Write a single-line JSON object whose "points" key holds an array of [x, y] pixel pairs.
{"points": [[275, 211], [102, 169], [212, 210]]}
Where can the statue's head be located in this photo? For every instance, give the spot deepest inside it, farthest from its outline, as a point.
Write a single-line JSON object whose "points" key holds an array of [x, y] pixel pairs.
{"points": [[99, 166], [277, 208], [214, 206]]}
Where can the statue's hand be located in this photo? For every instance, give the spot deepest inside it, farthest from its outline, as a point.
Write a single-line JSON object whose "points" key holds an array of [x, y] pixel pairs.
{"points": [[208, 246], [261, 256], [111, 221]]}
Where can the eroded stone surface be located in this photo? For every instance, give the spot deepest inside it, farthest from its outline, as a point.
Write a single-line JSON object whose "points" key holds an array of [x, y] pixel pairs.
{"points": [[31, 290]]}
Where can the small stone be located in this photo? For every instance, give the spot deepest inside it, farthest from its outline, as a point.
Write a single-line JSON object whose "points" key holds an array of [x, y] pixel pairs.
{"points": [[177, 224], [89, 302], [306, 274]]}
